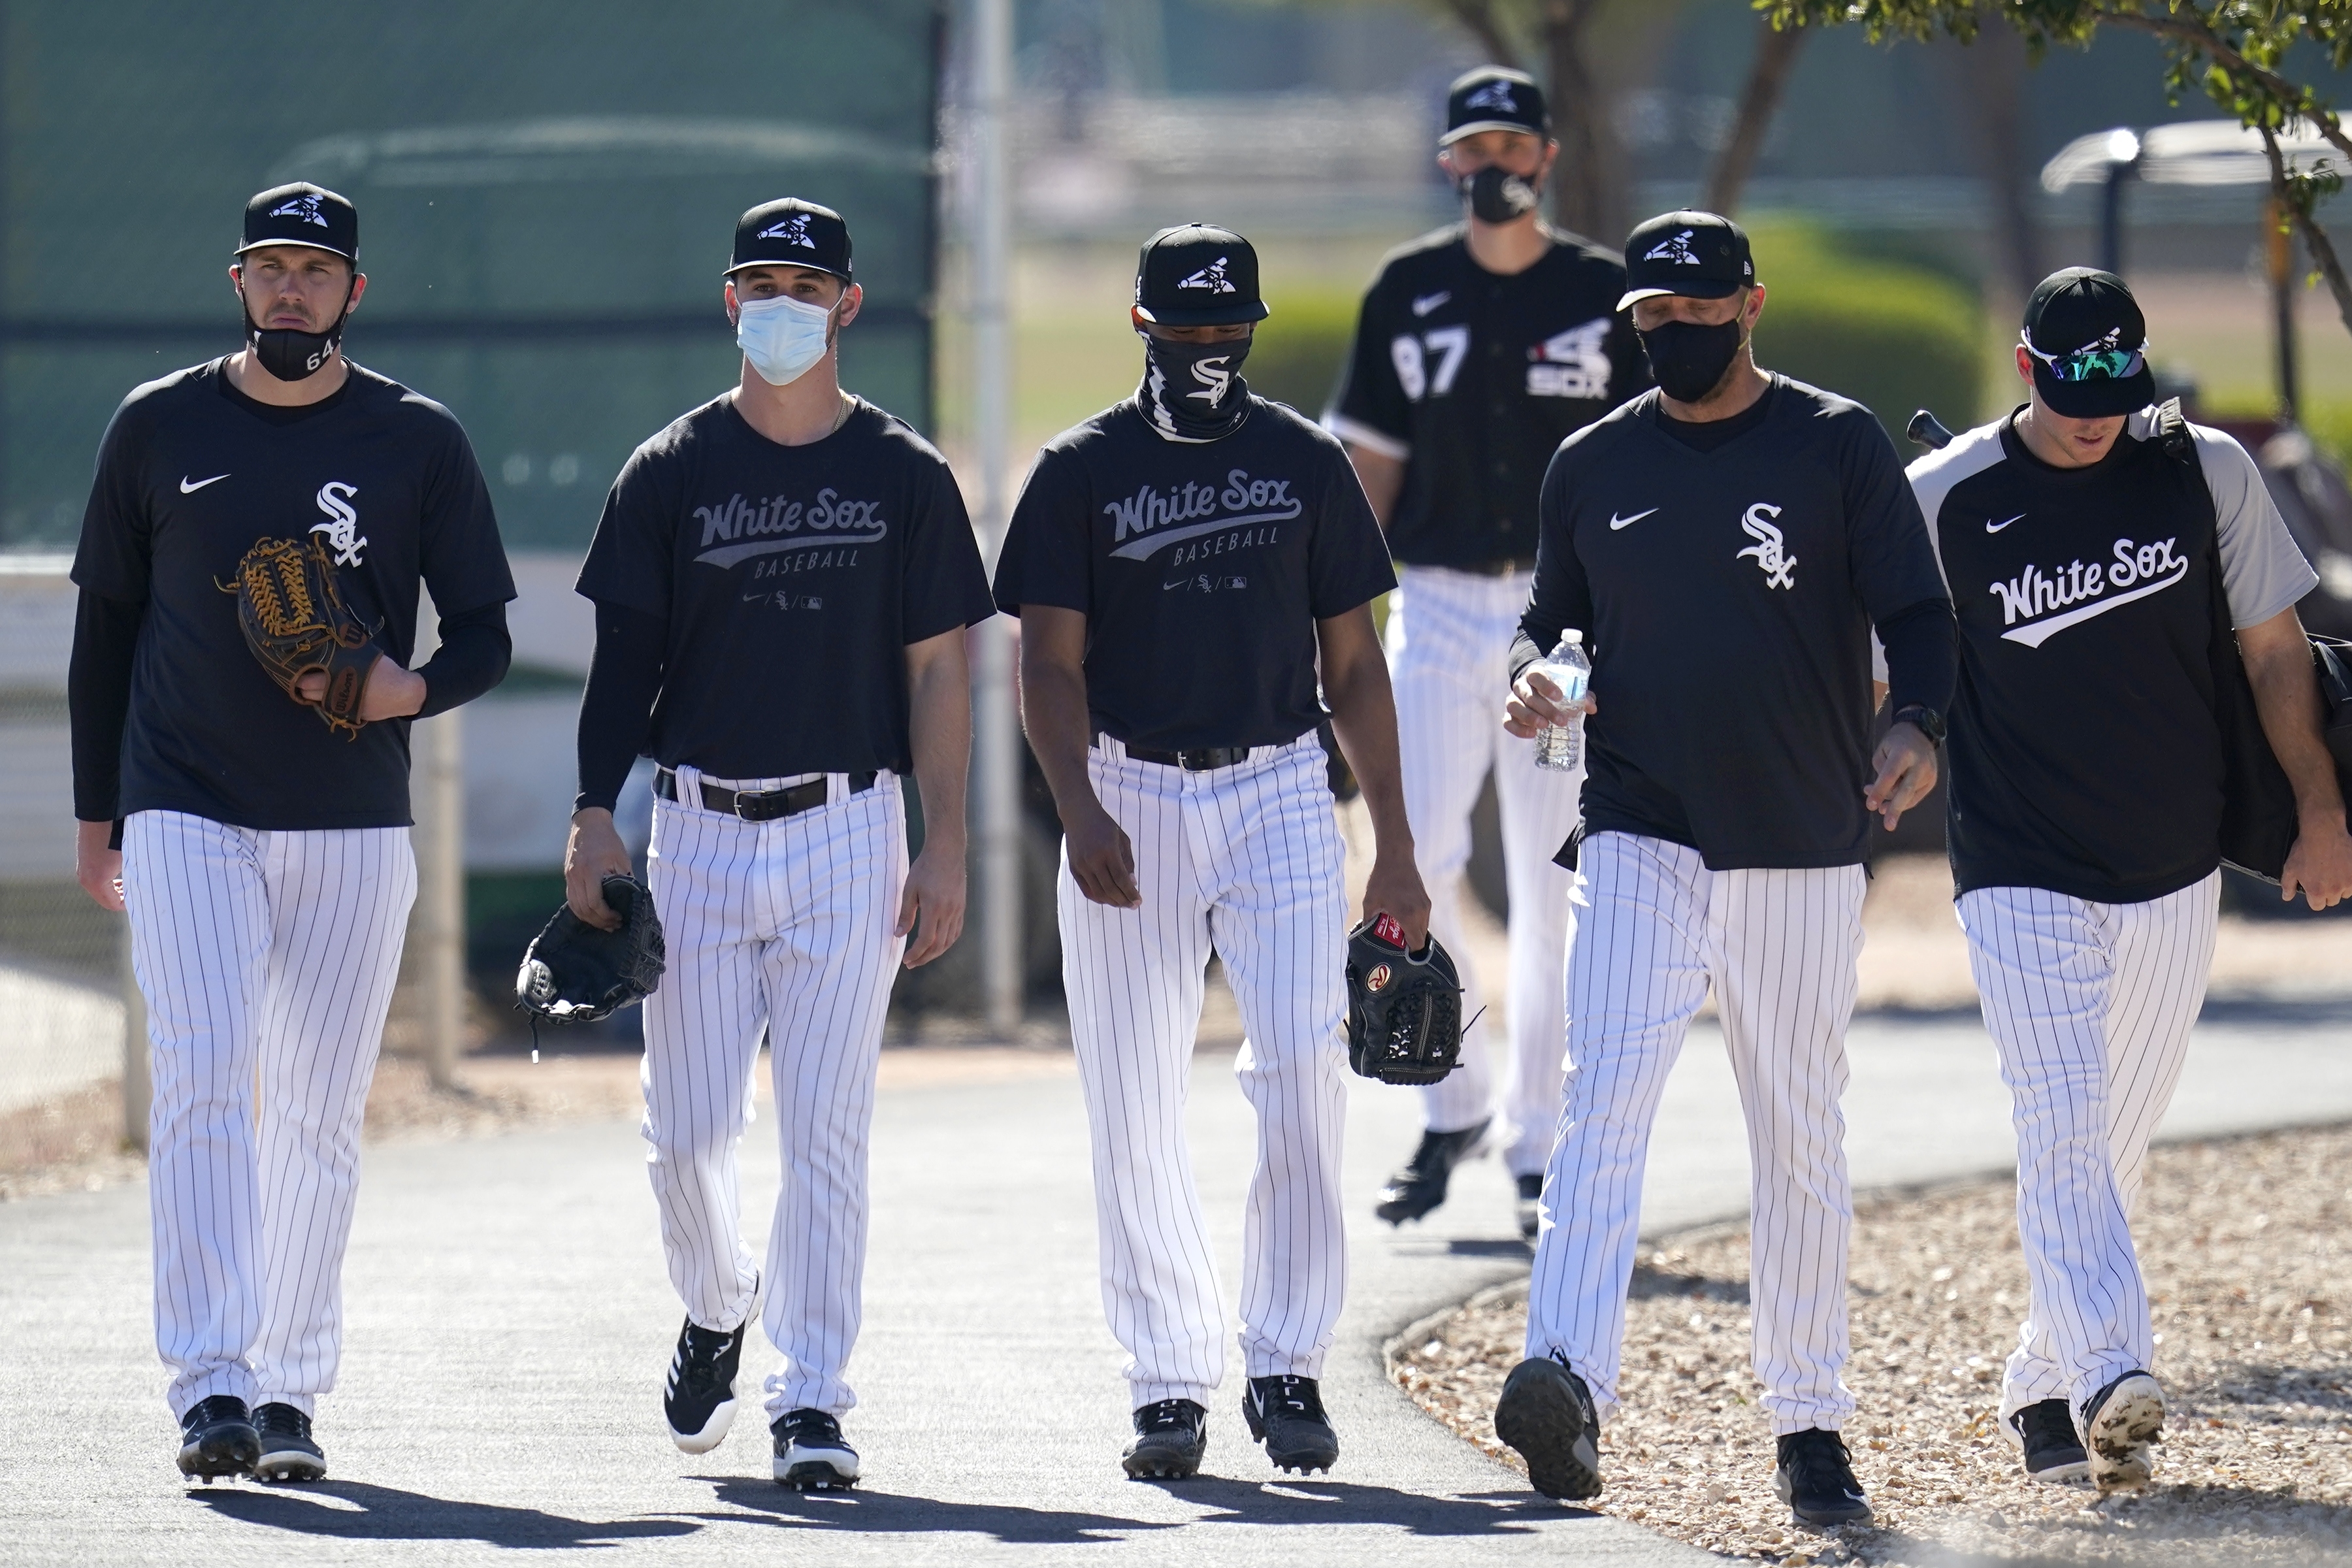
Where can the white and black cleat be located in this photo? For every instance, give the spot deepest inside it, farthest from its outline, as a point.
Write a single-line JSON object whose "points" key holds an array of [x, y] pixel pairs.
{"points": [[810, 1453], [2045, 1439], [217, 1438], [288, 1452], [2120, 1424], [1545, 1414], [1420, 1186], [1171, 1437], [1286, 1413], [699, 1401]]}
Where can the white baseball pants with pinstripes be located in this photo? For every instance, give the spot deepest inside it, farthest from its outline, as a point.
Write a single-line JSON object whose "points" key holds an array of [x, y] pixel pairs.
{"points": [[2090, 1006], [267, 955], [1449, 647], [780, 928], [1245, 861], [1778, 947]]}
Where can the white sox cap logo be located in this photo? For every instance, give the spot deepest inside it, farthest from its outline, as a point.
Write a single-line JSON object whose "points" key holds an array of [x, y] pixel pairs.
{"points": [[342, 527], [303, 207], [1675, 248], [1212, 278], [1769, 550], [1493, 95], [792, 230]]}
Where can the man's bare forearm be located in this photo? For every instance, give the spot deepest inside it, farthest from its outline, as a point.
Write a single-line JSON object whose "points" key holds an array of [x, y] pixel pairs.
{"points": [[1382, 477], [939, 714], [1363, 717], [2287, 694], [1054, 716]]}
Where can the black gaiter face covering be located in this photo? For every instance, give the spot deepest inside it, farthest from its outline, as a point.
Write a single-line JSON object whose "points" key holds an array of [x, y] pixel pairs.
{"points": [[288, 352], [1192, 392], [1498, 196], [1688, 361]]}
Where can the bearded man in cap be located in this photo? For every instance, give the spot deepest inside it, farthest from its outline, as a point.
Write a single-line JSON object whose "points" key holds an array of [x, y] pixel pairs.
{"points": [[264, 855], [2101, 554]]}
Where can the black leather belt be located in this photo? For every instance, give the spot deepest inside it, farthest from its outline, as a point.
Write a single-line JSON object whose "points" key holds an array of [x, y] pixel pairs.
{"points": [[1198, 761], [761, 805]]}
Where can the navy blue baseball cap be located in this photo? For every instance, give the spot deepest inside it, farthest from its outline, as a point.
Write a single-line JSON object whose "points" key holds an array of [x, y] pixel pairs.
{"points": [[1197, 275], [1493, 98], [302, 214], [2089, 345], [791, 233]]}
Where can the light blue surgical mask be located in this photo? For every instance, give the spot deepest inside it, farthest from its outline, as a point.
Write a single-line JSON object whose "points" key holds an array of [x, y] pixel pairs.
{"points": [[781, 337]]}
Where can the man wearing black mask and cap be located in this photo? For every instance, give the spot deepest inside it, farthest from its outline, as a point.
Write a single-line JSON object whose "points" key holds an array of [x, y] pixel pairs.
{"points": [[1481, 347], [263, 854], [1726, 543], [1186, 565], [2083, 535]]}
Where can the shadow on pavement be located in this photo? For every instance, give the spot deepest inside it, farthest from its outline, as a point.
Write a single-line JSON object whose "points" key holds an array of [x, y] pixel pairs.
{"points": [[384, 1514], [867, 1511], [1314, 1501]]}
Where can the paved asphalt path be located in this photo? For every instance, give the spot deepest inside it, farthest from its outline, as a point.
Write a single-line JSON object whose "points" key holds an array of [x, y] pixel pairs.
{"points": [[511, 1324]]}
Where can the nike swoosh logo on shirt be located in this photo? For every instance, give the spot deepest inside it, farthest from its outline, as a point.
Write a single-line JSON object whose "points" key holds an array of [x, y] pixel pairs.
{"points": [[1616, 521], [1423, 304], [188, 489], [1993, 526]]}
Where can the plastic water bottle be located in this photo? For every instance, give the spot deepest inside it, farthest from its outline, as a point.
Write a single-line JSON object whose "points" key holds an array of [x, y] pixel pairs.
{"points": [[1562, 746]]}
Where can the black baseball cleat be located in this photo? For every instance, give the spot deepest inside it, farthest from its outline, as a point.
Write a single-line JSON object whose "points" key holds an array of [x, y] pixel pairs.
{"points": [[1171, 1439], [812, 1456], [2044, 1433], [1546, 1413], [217, 1438], [1420, 1187], [699, 1402], [1286, 1413], [1814, 1476], [2120, 1424], [1531, 1208], [288, 1452]]}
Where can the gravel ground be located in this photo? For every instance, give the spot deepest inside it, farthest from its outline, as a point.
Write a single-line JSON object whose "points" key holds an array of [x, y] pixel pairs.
{"points": [[2248, 1266]]}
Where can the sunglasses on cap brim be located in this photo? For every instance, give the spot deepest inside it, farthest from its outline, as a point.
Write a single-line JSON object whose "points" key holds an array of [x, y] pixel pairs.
{"points": [[2093, 363]]}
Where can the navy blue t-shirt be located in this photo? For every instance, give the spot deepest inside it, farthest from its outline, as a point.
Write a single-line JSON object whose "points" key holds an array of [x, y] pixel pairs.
{"points": [[792, 578], [1201, 568], [191, 475]]}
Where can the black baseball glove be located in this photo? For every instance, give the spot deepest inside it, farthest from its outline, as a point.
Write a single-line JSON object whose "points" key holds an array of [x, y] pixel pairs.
{"points": [[1404, 1009], [574, 973]]}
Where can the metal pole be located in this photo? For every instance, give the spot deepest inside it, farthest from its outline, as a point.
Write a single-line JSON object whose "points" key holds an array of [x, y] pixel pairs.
{"points": [[439, 923], [138, 1083], [2281, 257], [996, 731]]}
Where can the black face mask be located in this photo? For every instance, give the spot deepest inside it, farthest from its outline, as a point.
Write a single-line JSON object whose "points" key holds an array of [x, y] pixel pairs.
{"points": [[1496, 195], [1192, 392], [1688, 361], [288, 352]]}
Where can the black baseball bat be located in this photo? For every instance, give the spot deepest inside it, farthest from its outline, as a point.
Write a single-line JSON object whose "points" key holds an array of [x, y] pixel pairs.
{"points": [[1928, 430]]}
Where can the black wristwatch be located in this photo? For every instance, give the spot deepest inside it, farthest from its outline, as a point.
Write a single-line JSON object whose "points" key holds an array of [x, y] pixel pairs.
{"points": [[1929, 722]]}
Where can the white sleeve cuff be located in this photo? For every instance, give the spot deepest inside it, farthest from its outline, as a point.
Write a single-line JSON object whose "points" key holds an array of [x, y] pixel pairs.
{"points": [[1356, 433]]}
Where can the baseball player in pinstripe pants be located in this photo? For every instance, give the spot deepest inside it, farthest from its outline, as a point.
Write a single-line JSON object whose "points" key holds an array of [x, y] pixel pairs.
{"points": [[264, 857], [2085, 812], [1726, 543], [1185, 565], [1479, 348], [782, 578]]}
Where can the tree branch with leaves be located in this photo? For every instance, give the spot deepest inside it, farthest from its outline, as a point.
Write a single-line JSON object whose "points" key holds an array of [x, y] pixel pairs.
{"points": [[2234, 51]]}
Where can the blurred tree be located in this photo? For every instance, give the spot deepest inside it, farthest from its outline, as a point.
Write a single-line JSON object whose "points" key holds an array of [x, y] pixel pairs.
{"points": [[1768, 79], [2234, 50]]}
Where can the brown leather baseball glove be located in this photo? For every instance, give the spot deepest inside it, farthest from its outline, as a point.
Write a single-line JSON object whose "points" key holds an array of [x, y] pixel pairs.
{"points": [[291, 610]]}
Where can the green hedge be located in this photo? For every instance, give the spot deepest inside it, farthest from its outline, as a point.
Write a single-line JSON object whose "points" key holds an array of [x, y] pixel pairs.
{"points": [[1888, 334], [1896, 338]]}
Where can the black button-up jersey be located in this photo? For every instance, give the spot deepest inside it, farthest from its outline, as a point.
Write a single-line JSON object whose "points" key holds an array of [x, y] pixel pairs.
{"points": [[1473, 380]]}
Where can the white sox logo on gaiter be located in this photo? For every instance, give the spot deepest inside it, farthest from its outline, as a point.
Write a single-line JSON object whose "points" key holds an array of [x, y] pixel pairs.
{"points": [[1770, 550]]}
